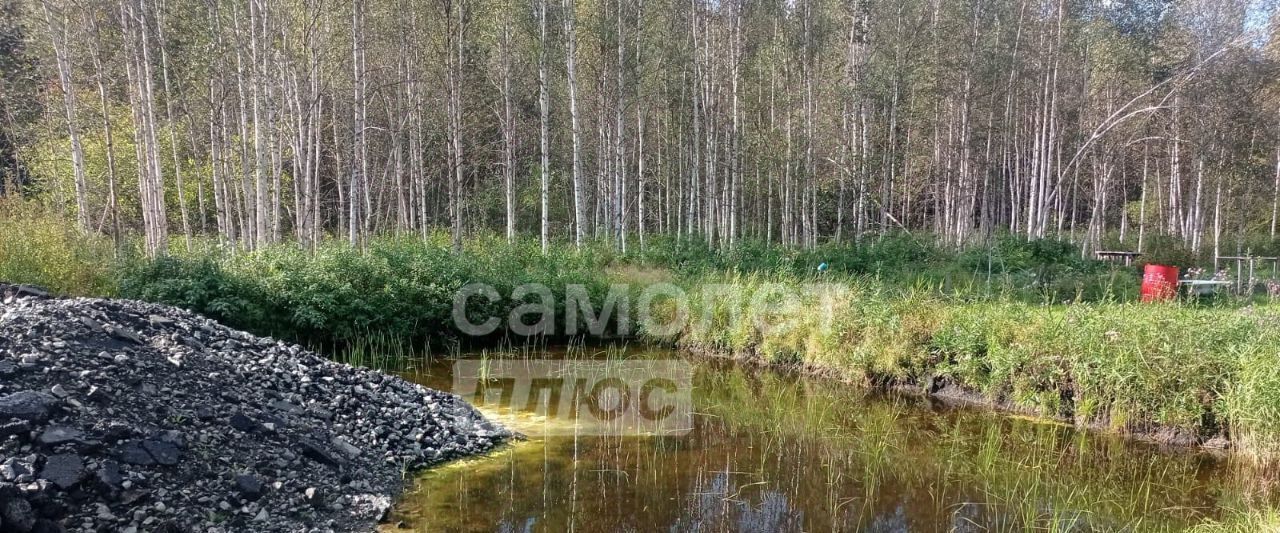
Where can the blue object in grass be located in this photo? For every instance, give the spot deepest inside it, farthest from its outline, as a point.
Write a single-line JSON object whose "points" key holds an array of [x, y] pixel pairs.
{"points": [[823, 267]]}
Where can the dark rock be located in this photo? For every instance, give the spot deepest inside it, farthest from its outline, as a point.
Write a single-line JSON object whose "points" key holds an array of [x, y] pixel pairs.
{"points": [[170, 526], [273, 423], [47, 526], [149, 441], [205, 414], [313, 496], [18, 515], [133, 497], [14, 427], [249, 487], [175, 438], [56, 435], [133, 453], [116, 432], [48, 506], [31, 291], [90, 323], [165, 453], [96, 394], [320, 412], [281, 405], [64, 470], [9, 293], [316, 453], [109, 477], [28, 405], [125, 335], [346, 447], [244, 423]]}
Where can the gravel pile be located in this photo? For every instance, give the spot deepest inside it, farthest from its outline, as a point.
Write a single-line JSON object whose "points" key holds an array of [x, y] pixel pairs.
{"points": [[126, 416]]}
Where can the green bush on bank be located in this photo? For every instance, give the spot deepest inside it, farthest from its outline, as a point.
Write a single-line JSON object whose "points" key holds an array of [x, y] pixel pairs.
{"points": [[398, 287]]}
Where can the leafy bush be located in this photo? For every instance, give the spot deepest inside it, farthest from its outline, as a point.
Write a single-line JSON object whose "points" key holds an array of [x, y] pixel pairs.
{"points": [[201, 285], [400, 287]]}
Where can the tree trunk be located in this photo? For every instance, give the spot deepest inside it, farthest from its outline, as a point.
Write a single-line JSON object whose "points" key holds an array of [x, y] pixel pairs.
{"points": [[579, 213], [58, 35], [173, 139], [508, 130], [544, 127]]}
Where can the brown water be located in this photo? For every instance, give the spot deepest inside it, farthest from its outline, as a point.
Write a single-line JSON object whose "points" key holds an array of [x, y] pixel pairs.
{"points": [[770, 451]]}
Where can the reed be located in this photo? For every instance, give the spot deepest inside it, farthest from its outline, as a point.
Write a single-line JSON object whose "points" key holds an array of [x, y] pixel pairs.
{"points": [[1198, 372]]}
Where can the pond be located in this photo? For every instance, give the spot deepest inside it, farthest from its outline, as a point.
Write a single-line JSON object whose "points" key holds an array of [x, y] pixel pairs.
{"points": [[768, 450]]}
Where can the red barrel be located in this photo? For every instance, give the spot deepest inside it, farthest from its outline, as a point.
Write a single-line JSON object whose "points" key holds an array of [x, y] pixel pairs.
{"points": [[1159, 283]]}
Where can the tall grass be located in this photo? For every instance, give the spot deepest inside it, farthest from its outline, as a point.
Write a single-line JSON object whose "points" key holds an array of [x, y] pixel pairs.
{"points": [[1245, 521], [49, 251], [1014, 475], [1191, 372], [1008, 266]]}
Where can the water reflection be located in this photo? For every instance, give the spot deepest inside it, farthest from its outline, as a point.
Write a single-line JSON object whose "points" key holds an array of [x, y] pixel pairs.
{"points": [[770, 452]]}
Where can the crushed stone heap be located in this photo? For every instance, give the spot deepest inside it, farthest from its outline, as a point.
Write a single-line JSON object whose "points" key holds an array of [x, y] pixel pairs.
{"points": [[119, 415]]}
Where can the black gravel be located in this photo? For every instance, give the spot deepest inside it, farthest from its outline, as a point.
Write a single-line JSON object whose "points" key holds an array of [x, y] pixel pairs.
{"points": [[125, 416]]}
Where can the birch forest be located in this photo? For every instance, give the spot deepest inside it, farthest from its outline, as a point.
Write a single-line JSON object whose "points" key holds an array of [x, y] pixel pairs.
{"points": [[1111, 123]]}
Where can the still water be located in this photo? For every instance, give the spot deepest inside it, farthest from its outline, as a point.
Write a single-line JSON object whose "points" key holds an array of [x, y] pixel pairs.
{"points": [[772, 451]]}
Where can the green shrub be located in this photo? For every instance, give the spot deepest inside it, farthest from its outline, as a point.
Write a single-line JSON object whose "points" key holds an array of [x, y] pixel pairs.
{"points": [[399, 286]]}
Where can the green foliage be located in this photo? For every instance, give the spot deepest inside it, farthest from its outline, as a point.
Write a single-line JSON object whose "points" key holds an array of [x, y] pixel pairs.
{"points": [[46, 250], [887, 255], [1252, 520], [47, 152], [201, 285], [1163, 250], [399, 286], [898, 309], [1203, 371], [1012, 266]]}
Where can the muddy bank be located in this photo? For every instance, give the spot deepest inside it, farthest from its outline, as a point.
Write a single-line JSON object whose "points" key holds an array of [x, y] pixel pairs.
{"points": [[127, 416]]}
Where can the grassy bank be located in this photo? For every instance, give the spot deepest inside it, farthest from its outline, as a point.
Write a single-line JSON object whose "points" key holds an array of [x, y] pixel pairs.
{"points": [[986, 323], [1181, 373], [399, 289], [1035, 476]]}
